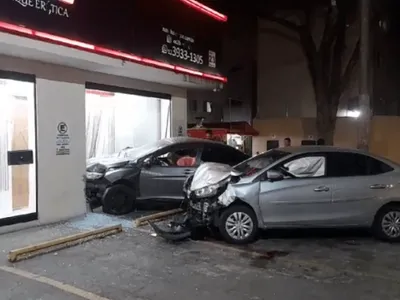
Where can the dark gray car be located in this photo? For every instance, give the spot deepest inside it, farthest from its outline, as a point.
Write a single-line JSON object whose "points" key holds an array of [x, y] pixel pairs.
{"points": [[155, 171]]}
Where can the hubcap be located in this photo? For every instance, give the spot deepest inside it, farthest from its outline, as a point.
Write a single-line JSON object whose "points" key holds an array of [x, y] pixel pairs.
{"points": [[391, 224], [239, 225]]}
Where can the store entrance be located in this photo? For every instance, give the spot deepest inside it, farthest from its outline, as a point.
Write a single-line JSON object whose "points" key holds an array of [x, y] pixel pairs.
{"points": [[17, 150], [118, 121]]}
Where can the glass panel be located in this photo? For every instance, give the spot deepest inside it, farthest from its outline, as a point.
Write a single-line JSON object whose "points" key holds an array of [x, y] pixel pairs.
{"points": [[116, 121], [17, 132]]}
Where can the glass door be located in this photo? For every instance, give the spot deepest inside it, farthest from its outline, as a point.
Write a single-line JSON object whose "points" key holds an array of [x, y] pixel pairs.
{"points": [[17, 144]]}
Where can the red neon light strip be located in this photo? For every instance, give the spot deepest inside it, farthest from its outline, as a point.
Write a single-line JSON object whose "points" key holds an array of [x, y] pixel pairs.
{"points": [[100, 93], [105, 51], [206, 10], [67, 1]]}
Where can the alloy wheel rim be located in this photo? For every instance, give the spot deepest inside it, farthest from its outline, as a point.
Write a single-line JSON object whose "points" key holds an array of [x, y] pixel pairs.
{"points": [[391, 224], [239, 225]]}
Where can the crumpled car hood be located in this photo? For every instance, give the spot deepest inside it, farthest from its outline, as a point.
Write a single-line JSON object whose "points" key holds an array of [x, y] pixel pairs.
{"points": [[110, 160], [101, 165], [209, 174]]}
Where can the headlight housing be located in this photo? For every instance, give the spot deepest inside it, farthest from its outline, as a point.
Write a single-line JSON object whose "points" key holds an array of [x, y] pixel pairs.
{"points": [[207, 191], [94, 175]]}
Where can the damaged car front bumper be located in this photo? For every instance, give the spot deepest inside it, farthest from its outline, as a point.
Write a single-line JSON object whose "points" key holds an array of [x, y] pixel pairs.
{"points": [[203, 206], [94, 191]]}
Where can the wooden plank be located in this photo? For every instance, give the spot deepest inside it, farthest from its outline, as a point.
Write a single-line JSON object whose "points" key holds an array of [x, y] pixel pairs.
{"points": [[157, 216], [60, 243]]}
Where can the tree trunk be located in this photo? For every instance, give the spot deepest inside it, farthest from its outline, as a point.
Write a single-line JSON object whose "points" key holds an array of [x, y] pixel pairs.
{"points": [[326, 115]]}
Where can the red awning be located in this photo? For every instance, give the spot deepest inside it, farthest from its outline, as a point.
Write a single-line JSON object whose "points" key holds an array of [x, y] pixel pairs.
{"points": [[240, 128]]}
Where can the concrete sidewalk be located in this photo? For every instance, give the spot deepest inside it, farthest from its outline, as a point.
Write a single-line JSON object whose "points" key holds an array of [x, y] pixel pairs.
{"points": [[96, 220], [135, 265]]}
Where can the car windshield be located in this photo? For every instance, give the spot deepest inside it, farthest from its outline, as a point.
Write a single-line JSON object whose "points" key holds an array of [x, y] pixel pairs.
{"points": [[259, 162], [139, 152]]}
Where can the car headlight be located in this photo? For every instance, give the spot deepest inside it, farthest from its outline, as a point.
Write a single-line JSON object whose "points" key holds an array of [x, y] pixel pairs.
{"points": [[207, 191], [94, 175]]}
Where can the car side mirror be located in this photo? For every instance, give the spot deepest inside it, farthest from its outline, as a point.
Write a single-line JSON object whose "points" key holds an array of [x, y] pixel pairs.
{"points": [[273, 175], [235, 173], [147, 162]]}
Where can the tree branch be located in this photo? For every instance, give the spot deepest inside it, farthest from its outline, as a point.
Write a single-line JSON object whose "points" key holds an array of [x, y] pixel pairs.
{"points": [[337, 57], [310, 51], [348, 72], [325, 46]]}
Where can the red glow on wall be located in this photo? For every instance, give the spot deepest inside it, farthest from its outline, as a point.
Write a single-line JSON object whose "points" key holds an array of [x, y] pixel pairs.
{"points": [[206, 10], [12, 28]]}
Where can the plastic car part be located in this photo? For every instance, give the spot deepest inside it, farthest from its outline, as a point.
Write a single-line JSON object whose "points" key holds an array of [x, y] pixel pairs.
{"points": [[173, 234], [177, 230]]}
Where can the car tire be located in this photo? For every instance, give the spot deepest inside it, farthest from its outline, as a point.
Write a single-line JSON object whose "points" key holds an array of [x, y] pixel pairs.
{"points": [[238, 214], [386, 219], [118, 200]]}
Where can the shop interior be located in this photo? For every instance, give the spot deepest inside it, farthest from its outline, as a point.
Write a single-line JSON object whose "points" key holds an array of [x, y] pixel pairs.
{"points": [[117, 121], [17, 132]]}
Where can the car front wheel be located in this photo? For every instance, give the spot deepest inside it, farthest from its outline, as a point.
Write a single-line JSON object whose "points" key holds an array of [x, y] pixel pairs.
{"points": [[118, 200], [387, 224], [238, 225]]}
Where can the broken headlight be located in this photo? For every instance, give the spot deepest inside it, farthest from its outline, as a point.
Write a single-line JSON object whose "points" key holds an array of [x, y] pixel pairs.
{"points": [[207, 191], [94, 175]]}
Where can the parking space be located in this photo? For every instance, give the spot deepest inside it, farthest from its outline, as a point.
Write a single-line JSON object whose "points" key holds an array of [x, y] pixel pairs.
{"points": [[136, 265], [327, 258]]}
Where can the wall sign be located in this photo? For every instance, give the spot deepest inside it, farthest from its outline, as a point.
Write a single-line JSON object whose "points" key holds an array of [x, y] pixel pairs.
{"points": [[45, 7], [165, 30], [62, 139], [180, 130]]}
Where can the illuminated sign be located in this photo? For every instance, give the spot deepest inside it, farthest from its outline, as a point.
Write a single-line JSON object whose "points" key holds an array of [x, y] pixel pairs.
{"points": [[172, 34]]}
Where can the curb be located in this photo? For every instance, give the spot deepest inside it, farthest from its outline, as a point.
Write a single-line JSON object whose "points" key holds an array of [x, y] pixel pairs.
{"points": [[61, 243], [157, 216]]}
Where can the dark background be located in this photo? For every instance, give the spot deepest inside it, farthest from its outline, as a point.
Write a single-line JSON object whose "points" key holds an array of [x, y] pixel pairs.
{"points": [[133, 26]]}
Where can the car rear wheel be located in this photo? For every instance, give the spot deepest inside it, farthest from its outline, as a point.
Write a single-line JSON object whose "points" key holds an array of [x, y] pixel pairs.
{"points": [[118, 200], [387, 224], [238, 225]]}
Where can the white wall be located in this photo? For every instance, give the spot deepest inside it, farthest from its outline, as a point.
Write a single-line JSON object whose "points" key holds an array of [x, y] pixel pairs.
{"points": [[179, 115], [60, 97], [59, 177]]}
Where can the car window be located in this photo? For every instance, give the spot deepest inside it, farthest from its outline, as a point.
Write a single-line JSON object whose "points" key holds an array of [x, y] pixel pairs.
{"points": [[343, 164], [223, 155], [181, 157], [306, 166]]}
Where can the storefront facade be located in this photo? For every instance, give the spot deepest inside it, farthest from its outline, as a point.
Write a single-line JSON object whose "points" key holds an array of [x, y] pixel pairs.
{"points": [[79, 79]]}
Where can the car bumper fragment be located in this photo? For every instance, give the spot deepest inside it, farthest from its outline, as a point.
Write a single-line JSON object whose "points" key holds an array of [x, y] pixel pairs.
{"points": [[94, 192]]}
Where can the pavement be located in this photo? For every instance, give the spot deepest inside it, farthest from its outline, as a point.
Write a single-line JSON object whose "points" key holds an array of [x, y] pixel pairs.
{"points": [[137, 265]]}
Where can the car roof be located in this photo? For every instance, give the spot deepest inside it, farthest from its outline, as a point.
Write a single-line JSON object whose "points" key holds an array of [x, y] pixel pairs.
{"points": [[305, 149], [186, 139], [321, 148]]}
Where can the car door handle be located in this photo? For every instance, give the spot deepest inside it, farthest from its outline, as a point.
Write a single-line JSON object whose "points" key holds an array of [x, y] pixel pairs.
{"points": [[321, 189], [378, 186]]}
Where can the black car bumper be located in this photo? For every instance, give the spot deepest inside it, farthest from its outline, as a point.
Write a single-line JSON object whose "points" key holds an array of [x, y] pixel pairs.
{"points": [[94, 191]]}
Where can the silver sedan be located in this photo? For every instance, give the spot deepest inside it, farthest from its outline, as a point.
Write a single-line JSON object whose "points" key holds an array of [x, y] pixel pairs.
{"points": [[312, 186]]}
